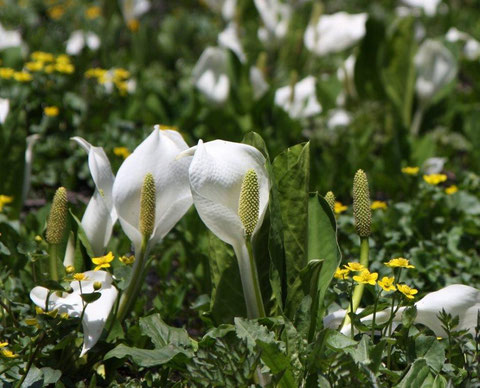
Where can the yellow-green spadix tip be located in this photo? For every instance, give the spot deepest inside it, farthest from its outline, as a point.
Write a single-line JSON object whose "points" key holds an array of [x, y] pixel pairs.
{"points": [[361, 204], [249, 202], [57, 220], [147, 206], [330, 198]]}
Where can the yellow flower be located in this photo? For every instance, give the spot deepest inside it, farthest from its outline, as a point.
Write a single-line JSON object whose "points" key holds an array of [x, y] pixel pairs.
{"points": [[354, 267], [122, 87], [41, 56], [121, 73], [407, 291], [80, 276], [6, 72], [56, 12], [451, 189], [93, 12], [378, 205], [339, 207], [66, 68], [341, 273], [32, 322], [387, 283], [133, 25], [69, 269], [121, 151], [399, 262], [4, 199], [366, 277], [51, 111], [103, 261], [22, 76], [127, 259], [434, 179], [3, 344], [8, 353], [411, 170], [63, 59], [34, 66], [49, 69]]}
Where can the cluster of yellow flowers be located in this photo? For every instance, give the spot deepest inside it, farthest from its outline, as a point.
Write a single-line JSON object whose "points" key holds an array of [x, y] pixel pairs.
{"points": [[104, 261], [340, 207], [117, 76], [431, 179], [49, 63], [6, 352], [367, 277]]}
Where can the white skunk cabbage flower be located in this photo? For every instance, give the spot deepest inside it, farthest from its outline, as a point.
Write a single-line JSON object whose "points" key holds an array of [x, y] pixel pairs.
{"points": [[210, 75], [225, 7], [428, 6], [338, 118], [334, 33], [457, 300], [436, 67], [133, 9], [10, 38], [27, 172], [301, 101], [276, 18], [100, 214], [229, 39], [156, 155], [96, 313], [471, 48], [4, 109], [79, 39], [259, 85], [346, 75]]}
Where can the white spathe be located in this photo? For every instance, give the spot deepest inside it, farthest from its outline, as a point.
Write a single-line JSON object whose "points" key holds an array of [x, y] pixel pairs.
{"points": [[346, 75], [210, 75], [338, 118], [225, 7], [471, 48], [4, 109], [334, 33], [155, 155], [300, 102], [428, 6], [79, 39], [100, 214], [259, 85], [133, 9], [229, 39], [435, 66], [457, 300], [276, 17], [10, 38], [96, 313]]}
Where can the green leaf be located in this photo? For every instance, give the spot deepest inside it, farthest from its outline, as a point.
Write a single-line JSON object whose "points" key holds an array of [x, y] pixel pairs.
{"points": [[82, 236], [161, 334], [92, 297], [338, 341], [147, 357], [432, 350], [252, 331], [398, 73], [417, 375], [255, 140]]}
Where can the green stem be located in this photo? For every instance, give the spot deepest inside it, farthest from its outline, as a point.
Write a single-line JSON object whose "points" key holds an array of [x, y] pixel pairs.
{"points": [[249, 277], [314, 308], [417, 120], [130, 294], [30, 359], [375, 313], [358, 291], [53, 256]]}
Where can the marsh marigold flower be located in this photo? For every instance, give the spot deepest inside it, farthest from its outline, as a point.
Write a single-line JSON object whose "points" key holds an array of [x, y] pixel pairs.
{"points": [[434, 179], [410, 170], [4, 199], [22, 76], [399, 262], [80, 276], [407, 291], [93, 12], [341, 273], [451, 189], [121, 151], [8, 353], [387, 283], [354, 267], [378, 205], [127, 260], [51, 111], [366, 277], [339, 207], [103, 261]]}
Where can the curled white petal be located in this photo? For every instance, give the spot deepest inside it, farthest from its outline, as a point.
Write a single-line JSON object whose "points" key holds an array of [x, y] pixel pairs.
{"points": [[229, 39], [4, 109]]}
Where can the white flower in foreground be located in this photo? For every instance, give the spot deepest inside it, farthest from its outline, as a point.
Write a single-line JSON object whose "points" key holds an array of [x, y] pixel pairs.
{"points": [[436, 67], [9, 38], [428, 6], [225, 7], [259, 85], [100, 215], [96, 313], [276, 18], [457, 300], [300, 102], [156, 155], [210, 75], [78, 39], [334, 33], [133, 9], [229, 39], [4, 109]]}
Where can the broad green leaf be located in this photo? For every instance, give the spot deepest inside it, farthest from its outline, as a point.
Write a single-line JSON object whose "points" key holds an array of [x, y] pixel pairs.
{"points": [[432, 350], [251, 331], [398, 70], [278, 363], [417, 375], [338, 341], [147, 357], [161, 334], [92, 297]]}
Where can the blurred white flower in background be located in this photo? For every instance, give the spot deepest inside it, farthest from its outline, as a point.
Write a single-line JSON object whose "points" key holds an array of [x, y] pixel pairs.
{"points": [[259, 85], [10, 38], [338, 118], [435, 66], [225, 7], [434, 165], [276, 17], [471, 48], [229, 39], [334, 33], [4, 109], [299, 101], [428, 6], [346, 75], [133, 9], [210, 75], [79, 39]]}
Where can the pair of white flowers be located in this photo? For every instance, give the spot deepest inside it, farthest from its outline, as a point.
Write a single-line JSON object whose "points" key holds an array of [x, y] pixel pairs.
{"points": [[209, 175]]}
